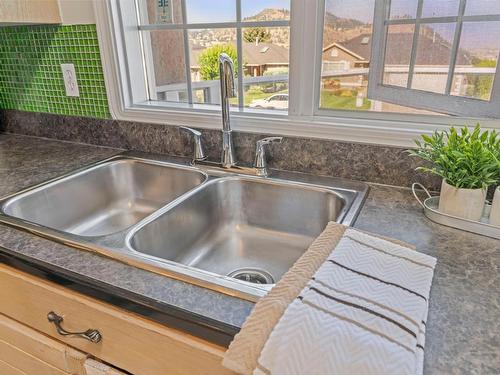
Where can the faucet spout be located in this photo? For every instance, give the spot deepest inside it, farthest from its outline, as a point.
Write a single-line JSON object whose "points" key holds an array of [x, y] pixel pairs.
{"points": [[227, 90]]}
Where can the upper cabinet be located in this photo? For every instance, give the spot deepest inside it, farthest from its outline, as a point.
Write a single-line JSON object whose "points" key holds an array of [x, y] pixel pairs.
{"points": [[29, 12]]}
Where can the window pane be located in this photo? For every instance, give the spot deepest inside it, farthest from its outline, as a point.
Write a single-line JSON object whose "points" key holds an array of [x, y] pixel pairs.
{"points": [[475, 72], [203, 11], [482, 7], [398, 54], [167, 49], [265, 10], [440, 8], [347, 42], [205, 46], [401, 9], [432, 62], [265, 64]]}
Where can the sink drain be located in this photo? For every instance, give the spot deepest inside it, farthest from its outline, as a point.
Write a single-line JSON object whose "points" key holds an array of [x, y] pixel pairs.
{"points": [[252, 275]]}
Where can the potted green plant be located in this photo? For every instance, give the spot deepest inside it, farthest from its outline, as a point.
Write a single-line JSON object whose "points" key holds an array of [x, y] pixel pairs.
{"points": [[463, 159], [493, 145]]}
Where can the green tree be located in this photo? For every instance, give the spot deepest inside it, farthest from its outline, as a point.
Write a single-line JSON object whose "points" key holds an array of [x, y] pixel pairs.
{"points": [[209, 60], [256, 33], [484, 63], [480, 85]]}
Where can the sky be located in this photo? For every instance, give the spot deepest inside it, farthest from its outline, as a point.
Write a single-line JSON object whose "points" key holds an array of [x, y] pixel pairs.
{"points": [[361, 10], [475, 7], [475, 35], [199, 11]]}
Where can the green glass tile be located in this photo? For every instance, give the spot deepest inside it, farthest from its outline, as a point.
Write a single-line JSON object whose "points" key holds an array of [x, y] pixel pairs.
{"points": [[30, 73]]}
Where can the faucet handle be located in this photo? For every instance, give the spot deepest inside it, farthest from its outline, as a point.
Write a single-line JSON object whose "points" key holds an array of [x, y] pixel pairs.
{"points": [[268, 140], [198, 152], [260, 163]]}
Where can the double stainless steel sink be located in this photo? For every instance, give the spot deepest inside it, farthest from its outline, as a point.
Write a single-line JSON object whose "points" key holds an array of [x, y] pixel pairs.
{"points": [[227, 230]]}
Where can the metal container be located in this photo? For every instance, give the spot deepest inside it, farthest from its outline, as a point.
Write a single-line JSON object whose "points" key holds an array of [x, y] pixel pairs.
{"points": [[431, 205]]}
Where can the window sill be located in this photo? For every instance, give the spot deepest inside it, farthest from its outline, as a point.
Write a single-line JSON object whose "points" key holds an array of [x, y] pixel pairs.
{"points": [[374, 131]]}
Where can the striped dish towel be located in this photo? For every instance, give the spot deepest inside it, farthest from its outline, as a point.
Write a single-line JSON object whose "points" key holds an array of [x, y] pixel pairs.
{"points": [[354, 303]]}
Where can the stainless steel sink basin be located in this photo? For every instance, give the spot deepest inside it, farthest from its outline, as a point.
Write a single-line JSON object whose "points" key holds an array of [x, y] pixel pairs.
{"points": [[224, 229], [105, 199], [249, 228]]}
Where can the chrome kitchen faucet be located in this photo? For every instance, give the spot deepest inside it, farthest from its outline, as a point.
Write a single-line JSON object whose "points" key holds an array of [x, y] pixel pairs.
{"points": [[227, 90]]}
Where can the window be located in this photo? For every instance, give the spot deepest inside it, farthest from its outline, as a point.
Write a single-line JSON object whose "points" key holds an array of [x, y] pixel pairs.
{"points": [[412, 56], [437, 54], [367, 70], [348, 29], [181, 49]]}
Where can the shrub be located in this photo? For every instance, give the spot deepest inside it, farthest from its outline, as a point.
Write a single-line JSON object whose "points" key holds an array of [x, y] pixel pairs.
{"points": [[209, 60]]}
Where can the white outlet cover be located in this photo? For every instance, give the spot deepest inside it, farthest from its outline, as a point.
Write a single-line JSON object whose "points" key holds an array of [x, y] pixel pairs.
{"points": [[70, 81]]}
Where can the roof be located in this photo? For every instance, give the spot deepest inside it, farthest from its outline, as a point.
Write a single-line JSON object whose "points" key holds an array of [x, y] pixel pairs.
{"points": [[435, 50], [254, 54], [265, 53], [344, 49]]}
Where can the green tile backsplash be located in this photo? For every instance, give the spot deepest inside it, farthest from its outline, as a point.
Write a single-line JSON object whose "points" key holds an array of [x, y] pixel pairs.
{"points": [[30, 71]]}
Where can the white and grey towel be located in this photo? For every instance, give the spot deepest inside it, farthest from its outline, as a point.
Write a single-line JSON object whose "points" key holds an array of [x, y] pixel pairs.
{"points": [[363, 312]]}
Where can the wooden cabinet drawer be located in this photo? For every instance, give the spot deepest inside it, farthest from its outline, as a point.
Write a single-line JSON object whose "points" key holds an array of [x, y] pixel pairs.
{"points": [[6, 369], [128, 341], [28, 351], [93, 367]]}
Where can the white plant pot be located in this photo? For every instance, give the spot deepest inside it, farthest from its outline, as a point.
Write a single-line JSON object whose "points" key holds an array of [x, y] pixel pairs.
{"points": [[464, 203], [495, 209]]}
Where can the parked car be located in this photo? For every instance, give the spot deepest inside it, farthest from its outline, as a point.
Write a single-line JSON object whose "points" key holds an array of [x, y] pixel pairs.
{"points": [[278, 101]]}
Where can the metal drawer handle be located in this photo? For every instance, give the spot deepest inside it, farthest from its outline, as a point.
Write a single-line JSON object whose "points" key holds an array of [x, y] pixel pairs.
{"points": [[91, 334]]}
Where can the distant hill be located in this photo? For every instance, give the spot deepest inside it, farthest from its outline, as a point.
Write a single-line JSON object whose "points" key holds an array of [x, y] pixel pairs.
{"points": [[336, 28], [339, 29], [273, 14], [269, 14], [331, 20], [279, 35]]}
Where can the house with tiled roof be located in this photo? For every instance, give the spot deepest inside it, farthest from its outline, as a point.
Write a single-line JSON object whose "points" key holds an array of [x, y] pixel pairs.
{"points": [[433, 50], [431, 68]]}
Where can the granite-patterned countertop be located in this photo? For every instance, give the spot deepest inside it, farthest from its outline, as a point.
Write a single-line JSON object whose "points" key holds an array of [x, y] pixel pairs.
{"points": [[464, 315]]}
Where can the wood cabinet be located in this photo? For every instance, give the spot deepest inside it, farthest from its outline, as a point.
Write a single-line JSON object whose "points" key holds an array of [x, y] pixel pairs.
{"points": [[128, 342], [29, 12], [23, 350]]}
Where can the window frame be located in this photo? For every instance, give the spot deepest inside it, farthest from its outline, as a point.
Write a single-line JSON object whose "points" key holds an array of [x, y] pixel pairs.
{"points": [[406, 96], [119, 43]]}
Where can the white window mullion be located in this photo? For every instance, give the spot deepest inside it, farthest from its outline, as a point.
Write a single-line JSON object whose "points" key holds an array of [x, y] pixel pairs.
{"points": [[216, 25], [305, 47], [143, 19], [416, 40], [133, 90], [239, 52], [186, 54], [456, 44]]}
